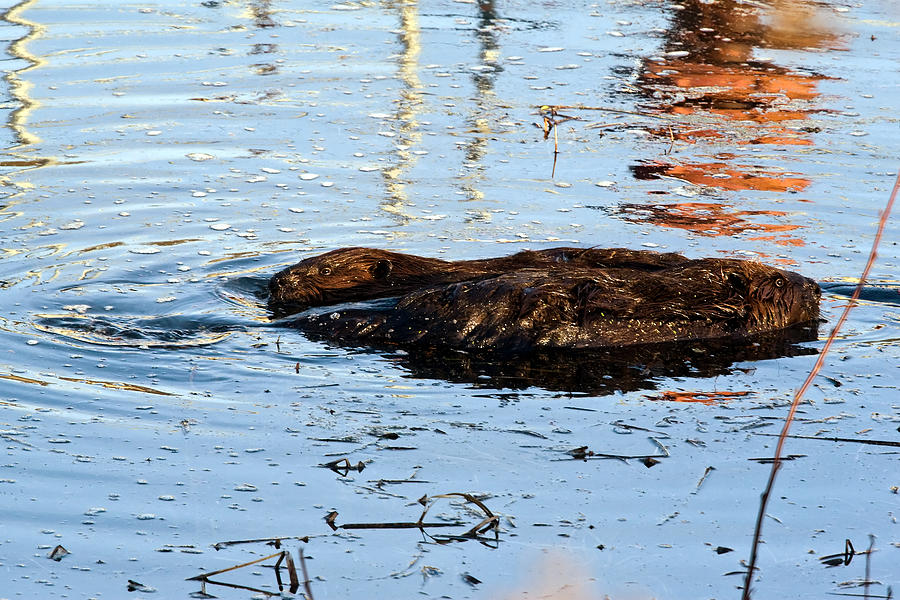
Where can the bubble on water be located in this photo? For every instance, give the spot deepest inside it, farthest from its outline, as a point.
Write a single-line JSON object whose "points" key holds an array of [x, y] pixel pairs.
{"points": [[79, 308]]}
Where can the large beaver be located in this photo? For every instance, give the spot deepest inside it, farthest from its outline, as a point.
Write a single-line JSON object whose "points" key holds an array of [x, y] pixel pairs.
{"points": [[352, 274], [574, 306]]}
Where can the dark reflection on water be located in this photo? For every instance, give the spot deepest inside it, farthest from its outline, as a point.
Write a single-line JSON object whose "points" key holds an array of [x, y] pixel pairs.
{"points": [[882, 293], [600, 372], [188, 322], [168, 331], [702, 218]]}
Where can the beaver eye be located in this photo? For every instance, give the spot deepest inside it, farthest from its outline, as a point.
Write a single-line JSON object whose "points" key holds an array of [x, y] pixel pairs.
{"points": [[779, 283], [326, 271]]}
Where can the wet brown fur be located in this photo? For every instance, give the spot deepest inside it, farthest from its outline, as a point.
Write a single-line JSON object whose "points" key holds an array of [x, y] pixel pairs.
{"points": [[354, 274], [575, 305]]}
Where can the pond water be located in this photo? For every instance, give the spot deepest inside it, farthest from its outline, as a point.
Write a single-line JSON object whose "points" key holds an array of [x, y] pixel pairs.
{"points": [[163, 159]]}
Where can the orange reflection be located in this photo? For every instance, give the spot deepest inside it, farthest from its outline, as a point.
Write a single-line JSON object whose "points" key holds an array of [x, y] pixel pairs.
{"points": [[723, 176], [710, 219], [708, 398], [711, 77]]}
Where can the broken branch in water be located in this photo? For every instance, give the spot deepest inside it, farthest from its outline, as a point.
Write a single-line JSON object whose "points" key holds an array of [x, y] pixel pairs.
{"points": [[343, 467], [489, 522], [273, 541], [283, 556], [583, 453], [891, 443]]}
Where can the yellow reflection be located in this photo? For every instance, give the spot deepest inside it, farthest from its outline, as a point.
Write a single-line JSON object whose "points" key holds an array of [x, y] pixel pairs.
{"points": [[408, 107], [19, 88], [113, 385], [118, 385], [23, 379]]}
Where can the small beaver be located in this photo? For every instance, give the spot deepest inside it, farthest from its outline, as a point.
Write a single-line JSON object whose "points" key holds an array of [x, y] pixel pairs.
{"points": [[355, 274], [576, 306]]}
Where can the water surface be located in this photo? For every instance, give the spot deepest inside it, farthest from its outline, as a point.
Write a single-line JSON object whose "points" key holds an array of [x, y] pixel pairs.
{"points": [[163, 159]]}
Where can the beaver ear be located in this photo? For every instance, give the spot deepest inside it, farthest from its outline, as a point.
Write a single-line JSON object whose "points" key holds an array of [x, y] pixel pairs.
{"points": [[381, 269], [739, 282]]}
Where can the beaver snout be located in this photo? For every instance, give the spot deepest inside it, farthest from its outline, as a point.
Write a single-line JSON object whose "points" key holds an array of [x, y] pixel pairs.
{"points": [[289, 292]]}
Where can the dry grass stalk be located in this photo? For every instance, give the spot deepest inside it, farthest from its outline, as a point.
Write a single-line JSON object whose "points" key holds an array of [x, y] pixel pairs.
{"points": [[776, 458]]}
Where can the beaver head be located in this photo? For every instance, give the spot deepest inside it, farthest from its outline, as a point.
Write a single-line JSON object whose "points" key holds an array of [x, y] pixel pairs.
{"points": [[744, 297], [774, 298], [350, 274]]}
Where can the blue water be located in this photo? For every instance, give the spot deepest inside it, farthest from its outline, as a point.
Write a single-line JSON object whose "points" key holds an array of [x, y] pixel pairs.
{"points": [[163, 159]]}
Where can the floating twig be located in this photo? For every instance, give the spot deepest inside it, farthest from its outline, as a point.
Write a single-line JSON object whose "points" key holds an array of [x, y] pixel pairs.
{"points": [[489, 522], [58, 553], [890, 443], [272, 541], [550, 120], [703, 477], [625, 425], [343, 467], [768, 460], [283, 557], [620, 111], [583, 453], [331, 517], [203, 576], [844, 558]]}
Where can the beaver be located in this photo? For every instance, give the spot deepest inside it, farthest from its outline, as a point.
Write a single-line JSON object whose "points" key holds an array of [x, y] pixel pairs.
{"points": [[355, 274], [580, 307]]}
